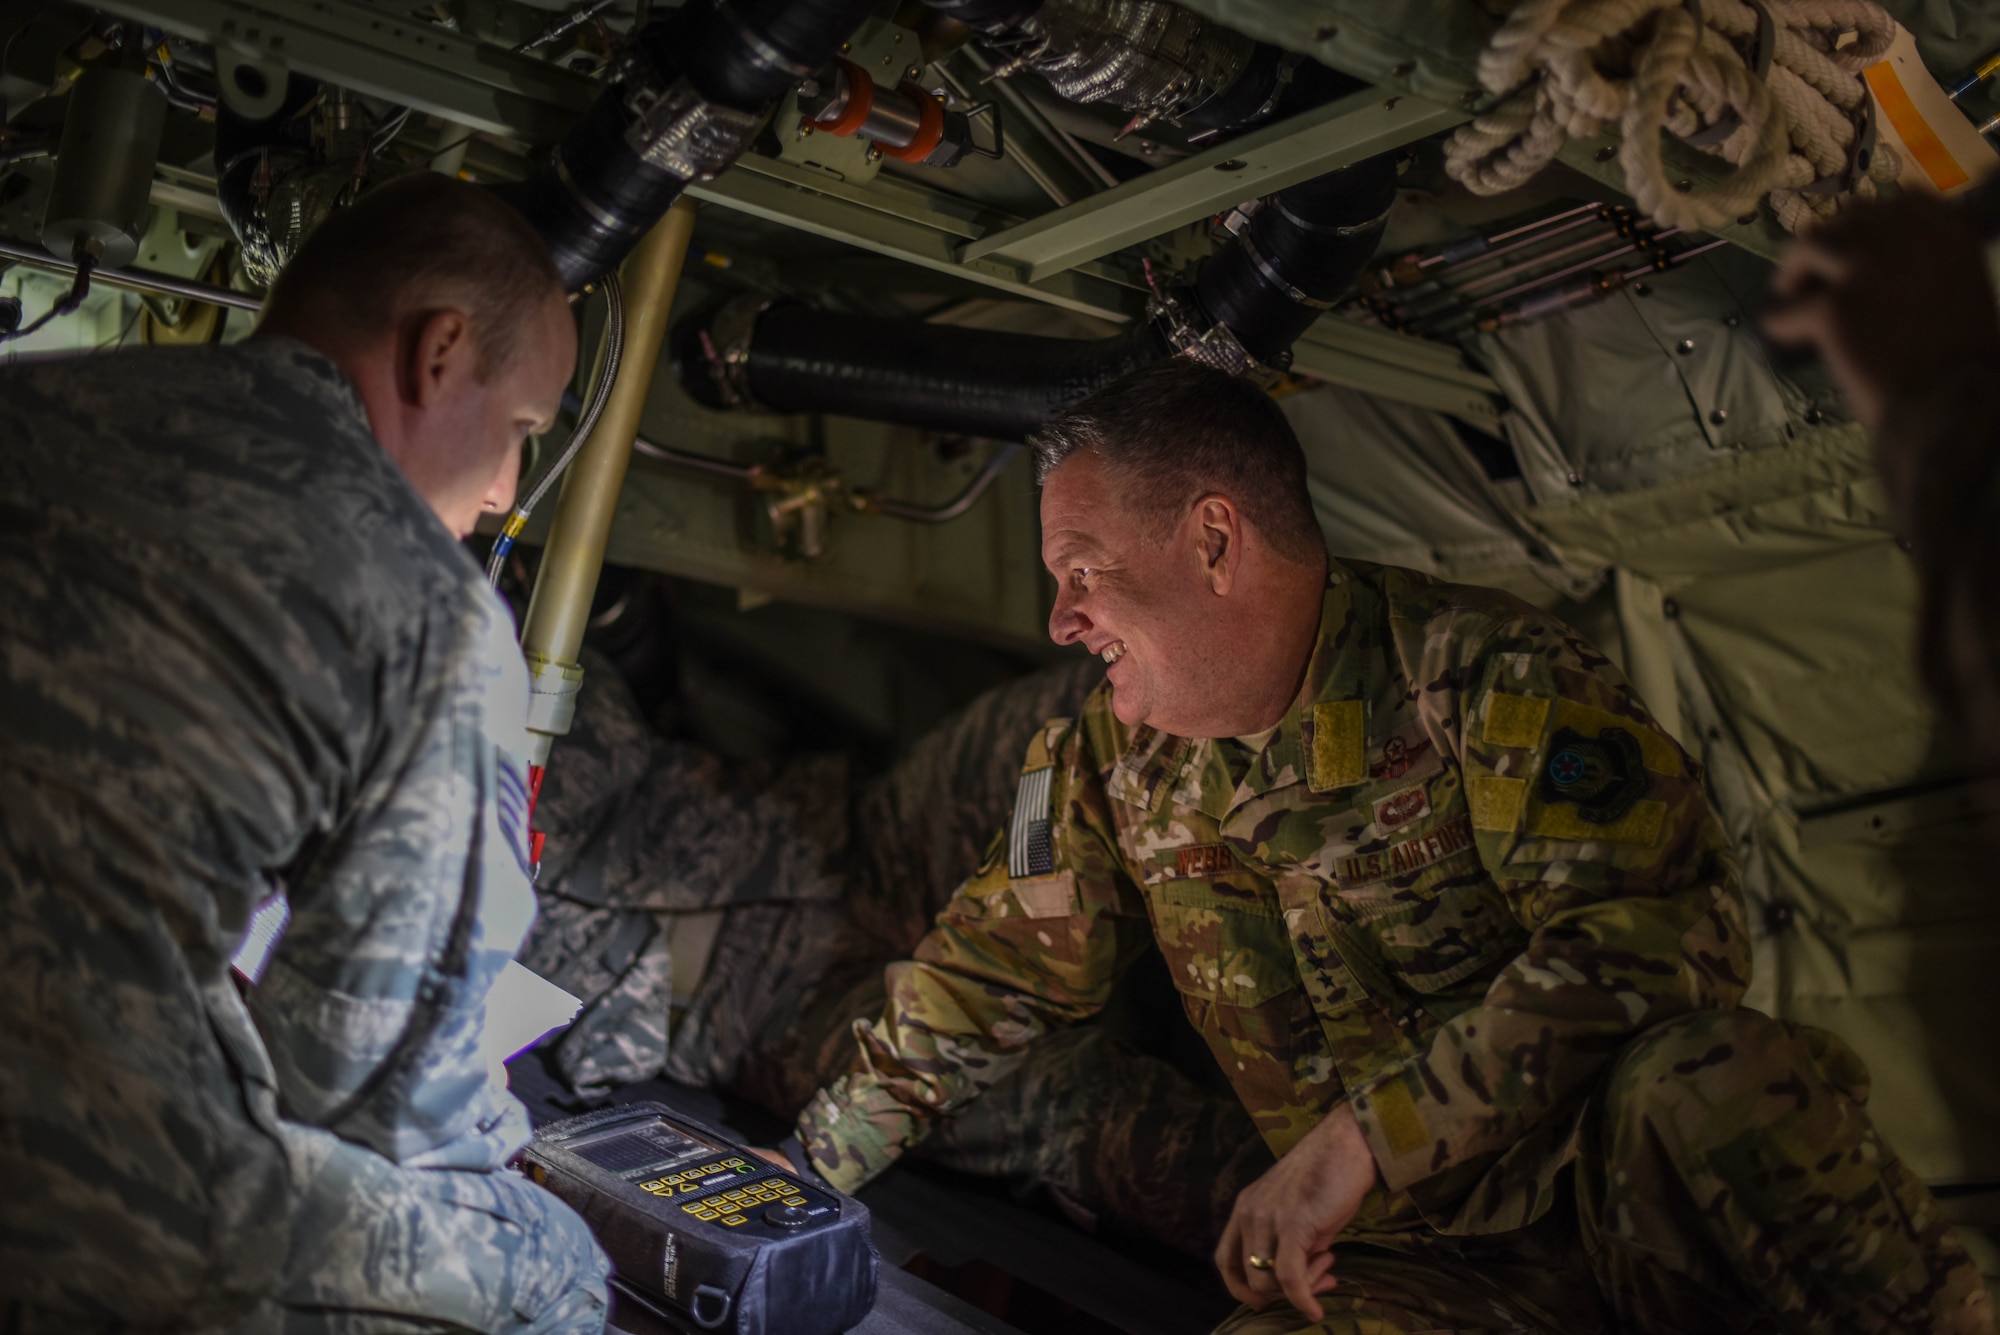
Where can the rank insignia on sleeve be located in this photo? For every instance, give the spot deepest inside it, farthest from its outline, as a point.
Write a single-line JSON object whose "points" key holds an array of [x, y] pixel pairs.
{"points": [[1603, 777]]}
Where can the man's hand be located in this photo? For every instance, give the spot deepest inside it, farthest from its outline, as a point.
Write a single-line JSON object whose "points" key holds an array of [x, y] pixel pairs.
{"points": [[776, 1156], [1886, 292], [1291, 1215]]}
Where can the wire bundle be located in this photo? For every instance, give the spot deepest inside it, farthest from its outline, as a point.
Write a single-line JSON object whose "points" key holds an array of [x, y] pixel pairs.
{"points": [[1771, 86], [593, 408]]}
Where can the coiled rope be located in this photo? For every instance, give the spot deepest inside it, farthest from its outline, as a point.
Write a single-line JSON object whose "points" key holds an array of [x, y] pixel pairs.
{"points": [[1772, 87]]}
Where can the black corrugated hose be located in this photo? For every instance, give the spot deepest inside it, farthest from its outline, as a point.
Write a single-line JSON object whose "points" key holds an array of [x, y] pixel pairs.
{"points": [[601, 191], [1298, 254]]}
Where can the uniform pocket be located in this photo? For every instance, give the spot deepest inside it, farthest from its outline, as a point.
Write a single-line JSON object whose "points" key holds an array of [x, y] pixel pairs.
{"points": [[1229, 950], [1457, 928], [1223, 941]]}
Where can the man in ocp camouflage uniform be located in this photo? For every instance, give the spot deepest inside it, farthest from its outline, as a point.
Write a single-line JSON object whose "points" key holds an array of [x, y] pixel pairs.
{"points": [[243, 648], [817, 890], [1449, 907]]}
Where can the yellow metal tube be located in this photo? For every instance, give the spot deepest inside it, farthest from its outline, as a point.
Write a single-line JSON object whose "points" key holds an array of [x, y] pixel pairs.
{"points": [[573, 556]]}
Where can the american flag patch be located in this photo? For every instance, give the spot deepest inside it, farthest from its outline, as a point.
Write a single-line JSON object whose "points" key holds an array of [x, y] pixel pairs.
{"points": [[1030, 845]]}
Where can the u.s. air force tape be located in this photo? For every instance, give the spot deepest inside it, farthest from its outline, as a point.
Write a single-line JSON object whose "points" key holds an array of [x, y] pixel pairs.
{"points": [[1030, 851]]}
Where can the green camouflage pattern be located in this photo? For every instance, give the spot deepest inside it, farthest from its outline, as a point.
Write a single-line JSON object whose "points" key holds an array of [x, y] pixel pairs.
{"points": [[1729, 1181], [820, 883], [240, 652], [1122, 1142], [1462, 873]]}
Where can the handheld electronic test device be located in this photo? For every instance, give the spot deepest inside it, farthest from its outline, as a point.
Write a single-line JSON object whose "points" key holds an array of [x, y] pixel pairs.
{"points": [[704, 1231]]}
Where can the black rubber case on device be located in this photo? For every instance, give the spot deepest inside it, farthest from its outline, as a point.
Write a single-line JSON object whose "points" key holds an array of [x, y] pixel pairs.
{"points": [[756, 1278]]}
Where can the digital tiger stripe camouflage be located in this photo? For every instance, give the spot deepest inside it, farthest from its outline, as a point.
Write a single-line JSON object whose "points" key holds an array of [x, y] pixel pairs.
{"points": [[1470, 886]]}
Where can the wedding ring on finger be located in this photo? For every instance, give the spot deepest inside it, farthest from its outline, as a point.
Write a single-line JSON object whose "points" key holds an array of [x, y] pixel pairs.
{"points": [[1261, 1263]]}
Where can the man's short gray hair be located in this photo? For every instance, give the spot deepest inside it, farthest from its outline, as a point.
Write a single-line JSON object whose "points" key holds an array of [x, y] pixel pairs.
{"points": [[417, 242], [1176, 431]]}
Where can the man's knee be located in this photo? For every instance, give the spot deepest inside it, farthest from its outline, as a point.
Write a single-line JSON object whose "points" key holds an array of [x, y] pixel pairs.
{"points": [[1708, 1078]]}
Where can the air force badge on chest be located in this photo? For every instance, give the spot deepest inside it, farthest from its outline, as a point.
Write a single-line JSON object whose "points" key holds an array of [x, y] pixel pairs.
{"points": [[1402, 808]]}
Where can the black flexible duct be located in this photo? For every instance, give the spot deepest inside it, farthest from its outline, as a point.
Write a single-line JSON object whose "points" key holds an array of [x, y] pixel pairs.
{"points": [[1300, 251], [699, 83], [977, 382], [1249, 302]]}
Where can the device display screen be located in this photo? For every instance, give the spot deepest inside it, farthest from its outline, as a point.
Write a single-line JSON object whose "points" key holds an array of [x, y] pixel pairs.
{"points": [[645, 1150]]}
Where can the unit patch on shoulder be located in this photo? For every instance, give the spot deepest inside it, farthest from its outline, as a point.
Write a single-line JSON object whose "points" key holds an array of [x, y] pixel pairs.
{"points": [[1407, 855], [1204, 862], [1402, 808], [1030, 847], [1602, 776]]}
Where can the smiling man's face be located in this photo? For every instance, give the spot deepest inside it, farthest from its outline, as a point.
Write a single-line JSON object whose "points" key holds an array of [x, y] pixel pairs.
{"points": [[1130, 588]]}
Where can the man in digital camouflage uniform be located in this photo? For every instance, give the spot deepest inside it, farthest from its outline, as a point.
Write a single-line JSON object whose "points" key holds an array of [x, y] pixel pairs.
{"points": [[1449, 907], [244, 650]]}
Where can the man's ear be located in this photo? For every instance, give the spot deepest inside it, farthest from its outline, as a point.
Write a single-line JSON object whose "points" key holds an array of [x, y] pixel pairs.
{"points": [[437, 353], [1218, 540]]}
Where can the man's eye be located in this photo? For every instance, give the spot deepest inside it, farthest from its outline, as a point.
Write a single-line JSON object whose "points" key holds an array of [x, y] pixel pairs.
{"points": [[1082, 575]]}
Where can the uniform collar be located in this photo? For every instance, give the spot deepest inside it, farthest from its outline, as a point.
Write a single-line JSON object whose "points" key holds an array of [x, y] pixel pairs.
{"points": [[1194, 773]]}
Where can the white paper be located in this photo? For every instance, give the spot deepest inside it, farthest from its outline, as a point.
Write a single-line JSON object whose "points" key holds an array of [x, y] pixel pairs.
{"points": [[523, 1007]]}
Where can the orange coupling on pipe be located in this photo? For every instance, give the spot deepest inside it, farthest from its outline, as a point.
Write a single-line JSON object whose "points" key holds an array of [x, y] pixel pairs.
{"points": [[930, 131]]}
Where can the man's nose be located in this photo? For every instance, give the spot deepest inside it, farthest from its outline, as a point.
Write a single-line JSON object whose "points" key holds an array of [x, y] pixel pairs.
{"points": [[1067, 625], [499, 497]]}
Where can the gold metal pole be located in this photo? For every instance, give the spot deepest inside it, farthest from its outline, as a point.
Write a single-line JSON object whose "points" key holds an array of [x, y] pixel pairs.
{"points": [[552, 633]]}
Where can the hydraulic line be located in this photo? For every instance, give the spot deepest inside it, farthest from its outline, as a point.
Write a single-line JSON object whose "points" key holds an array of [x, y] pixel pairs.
{"points": [[573, 555], [889, 506], [133, 280], [587, 414]]}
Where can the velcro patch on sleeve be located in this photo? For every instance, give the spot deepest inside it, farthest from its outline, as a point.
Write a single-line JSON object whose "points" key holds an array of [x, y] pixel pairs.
{"points": [[1030, 838], [1402, 1125], [1655, 751], [1496, 802], [1515, 720], [1047, 896], [1641, 825], [1339, 755]]}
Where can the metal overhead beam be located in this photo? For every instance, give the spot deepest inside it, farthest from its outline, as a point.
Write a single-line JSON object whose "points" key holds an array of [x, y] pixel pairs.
{"points": [[1398, 367], [776, 195], [1252, 165], [1053, 259], [419, 65]]}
